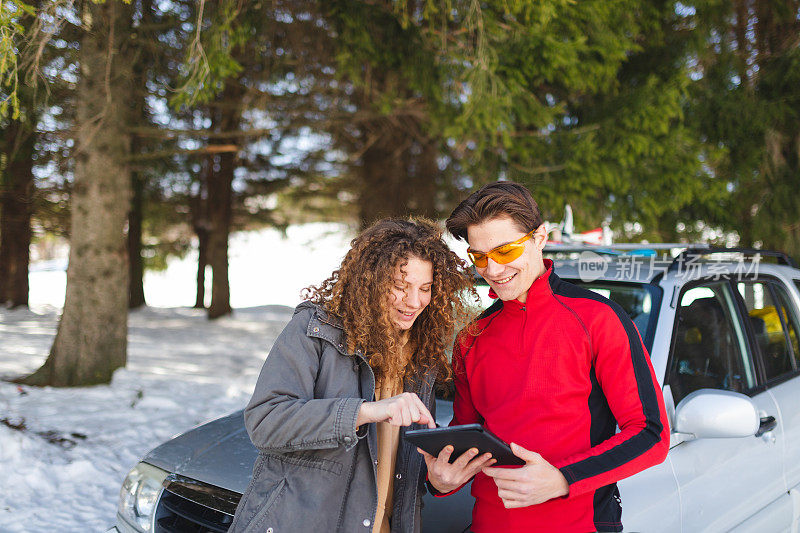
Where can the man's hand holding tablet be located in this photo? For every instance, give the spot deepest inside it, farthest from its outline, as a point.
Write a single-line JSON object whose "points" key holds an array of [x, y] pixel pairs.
{"points": [[475, 447], [536, 482]]}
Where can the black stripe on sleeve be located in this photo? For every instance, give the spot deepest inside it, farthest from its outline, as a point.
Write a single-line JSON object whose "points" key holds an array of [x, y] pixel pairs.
{"points": [[650, 435]]}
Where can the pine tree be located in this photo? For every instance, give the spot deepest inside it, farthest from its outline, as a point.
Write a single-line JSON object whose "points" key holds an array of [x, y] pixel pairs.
{"points": [[91, 341], [746, 99]]}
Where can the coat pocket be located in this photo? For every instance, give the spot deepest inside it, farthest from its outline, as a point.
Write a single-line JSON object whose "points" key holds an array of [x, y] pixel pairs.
{"points": [[308, 460], [257, 524]]}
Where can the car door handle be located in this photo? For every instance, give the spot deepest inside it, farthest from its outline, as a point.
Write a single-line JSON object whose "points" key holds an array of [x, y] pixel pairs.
{"points": [[768, 423]]}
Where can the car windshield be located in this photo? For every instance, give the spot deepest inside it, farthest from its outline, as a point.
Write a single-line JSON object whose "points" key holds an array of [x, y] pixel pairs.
{"points": [[640, 300]]}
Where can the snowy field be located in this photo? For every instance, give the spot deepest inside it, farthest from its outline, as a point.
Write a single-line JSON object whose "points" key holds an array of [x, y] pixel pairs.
{"points": [[65, 452]]}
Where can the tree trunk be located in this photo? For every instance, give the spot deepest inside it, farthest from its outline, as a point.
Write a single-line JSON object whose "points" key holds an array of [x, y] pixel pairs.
{"points": [[202, 261], [198, 207], [422, 186], [141, 64], [398, 176], [136, 263], [219, 211], [16, 208], [91, 341], [5, 246], [384, 181], [220, 198]]}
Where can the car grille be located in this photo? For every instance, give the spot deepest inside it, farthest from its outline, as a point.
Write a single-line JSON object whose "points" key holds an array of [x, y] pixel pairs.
{"points": [[189, 506]]}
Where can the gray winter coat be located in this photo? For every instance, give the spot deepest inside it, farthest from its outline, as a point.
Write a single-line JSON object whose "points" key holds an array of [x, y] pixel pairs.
{"points": [[313, 472]]}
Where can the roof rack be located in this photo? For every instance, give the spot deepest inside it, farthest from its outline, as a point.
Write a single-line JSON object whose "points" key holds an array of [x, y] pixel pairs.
{"points": [[622, 247], [687, 250], [693, 251]]}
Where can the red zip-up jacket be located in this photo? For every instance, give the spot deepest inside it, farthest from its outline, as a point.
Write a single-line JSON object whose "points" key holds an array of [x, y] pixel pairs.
{"points": [[557, 375]]}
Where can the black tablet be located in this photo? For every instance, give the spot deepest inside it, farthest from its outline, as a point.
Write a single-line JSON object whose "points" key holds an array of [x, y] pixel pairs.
{"points": [[462, 438]]}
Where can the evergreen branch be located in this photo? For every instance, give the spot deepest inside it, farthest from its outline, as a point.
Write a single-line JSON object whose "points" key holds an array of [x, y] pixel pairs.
{"points": [[540, 134], [163, 133], [11, 30], [211, 149], [544, 169]]}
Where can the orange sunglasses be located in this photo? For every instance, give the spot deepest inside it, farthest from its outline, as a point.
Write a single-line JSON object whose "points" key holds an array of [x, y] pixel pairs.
{"points": [[505, 253]]}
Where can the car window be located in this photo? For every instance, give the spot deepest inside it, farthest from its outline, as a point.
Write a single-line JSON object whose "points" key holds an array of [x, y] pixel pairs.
{"points": [[640, 302], [789, 315], [710, 349], [768, 319]]}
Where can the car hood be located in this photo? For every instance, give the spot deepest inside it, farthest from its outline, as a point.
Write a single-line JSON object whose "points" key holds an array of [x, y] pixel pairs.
{"points": [[218, 453]]}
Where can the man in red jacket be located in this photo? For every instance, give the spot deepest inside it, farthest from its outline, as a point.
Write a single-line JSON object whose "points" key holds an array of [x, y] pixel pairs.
{"points": [[553, 369]]}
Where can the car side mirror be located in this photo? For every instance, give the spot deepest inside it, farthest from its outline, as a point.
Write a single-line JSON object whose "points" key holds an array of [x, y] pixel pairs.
{"points": [[712, 414]]}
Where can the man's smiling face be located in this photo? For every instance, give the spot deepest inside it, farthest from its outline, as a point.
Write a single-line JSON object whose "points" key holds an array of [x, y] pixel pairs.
{"points": [[512, 280]]}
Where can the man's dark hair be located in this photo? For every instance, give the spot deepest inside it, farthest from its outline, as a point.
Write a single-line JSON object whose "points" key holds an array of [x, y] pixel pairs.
{"points": [[498, 199]]}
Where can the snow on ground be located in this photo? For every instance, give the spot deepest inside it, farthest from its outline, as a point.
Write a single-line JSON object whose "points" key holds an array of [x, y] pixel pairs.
{"points": [[65, 452], [62, 467]]}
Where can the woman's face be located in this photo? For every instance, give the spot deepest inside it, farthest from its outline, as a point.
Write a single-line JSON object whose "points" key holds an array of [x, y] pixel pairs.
{"points": [[411, 292]]}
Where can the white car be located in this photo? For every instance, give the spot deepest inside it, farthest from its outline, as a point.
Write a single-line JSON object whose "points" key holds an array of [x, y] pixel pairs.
{"points": [[722, 329], [723, 339]]}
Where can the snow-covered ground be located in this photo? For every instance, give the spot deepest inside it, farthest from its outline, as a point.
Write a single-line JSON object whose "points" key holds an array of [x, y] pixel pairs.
{"points": [[65, 452]]}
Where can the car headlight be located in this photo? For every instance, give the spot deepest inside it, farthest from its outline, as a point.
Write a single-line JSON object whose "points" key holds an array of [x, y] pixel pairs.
{"points": [[139, 494]]}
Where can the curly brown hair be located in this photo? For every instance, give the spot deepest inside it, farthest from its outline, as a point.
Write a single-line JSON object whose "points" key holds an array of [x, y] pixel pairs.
{"points": [[358, 293]]}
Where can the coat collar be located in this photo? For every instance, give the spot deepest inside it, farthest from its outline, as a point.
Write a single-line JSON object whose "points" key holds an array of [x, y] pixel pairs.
{"points": [[324, 325]]}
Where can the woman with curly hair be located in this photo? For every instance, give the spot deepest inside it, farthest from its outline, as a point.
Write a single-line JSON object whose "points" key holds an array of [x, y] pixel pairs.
{"points": [[353, 369]]}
